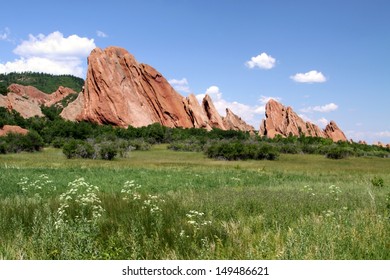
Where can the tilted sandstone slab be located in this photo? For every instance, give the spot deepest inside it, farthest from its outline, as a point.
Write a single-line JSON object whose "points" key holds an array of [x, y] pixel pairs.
{"points": [[122, 92], [27, 100], [281, 120], [215, 120], [26, 107], [333, 132], [197, 114], [233, 122]]}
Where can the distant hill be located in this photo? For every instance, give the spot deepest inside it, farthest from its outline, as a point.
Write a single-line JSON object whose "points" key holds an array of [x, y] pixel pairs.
{"points": [[45, 82]]}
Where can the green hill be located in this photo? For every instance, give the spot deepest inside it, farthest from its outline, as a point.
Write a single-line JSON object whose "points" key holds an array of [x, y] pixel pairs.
{"points": [[45, 82]]}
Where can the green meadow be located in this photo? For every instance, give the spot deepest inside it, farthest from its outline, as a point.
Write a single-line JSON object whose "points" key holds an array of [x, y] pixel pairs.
{"points": [[162, 204]]}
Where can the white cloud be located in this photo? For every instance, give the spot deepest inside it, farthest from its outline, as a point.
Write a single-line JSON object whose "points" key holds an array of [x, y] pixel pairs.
{"points": [[101, 34], [4, 35], [53, 54], [263, 61], [323, 109], [322, 122], [180, 85], [252, 114], [309, 77]]}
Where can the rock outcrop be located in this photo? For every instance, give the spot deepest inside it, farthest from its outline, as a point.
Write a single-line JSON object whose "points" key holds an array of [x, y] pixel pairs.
{"points": [[281, 120], [27, 100], [122, 92], [215, 120], [25, 106], [196, 112], [12, 129], [234, 122], [334, 132]]}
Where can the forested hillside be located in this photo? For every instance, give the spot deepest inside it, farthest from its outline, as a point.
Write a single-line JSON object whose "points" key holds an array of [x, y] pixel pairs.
{"points": [[45, 82]]}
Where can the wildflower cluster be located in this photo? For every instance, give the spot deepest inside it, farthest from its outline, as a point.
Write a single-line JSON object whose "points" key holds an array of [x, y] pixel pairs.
{"points": [[130, 192], [85, 204], [334, 191], [309, 189], [152, 203], [197, 220], [41, 185]]}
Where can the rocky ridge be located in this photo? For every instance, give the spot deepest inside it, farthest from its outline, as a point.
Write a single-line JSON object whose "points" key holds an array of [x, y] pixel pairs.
{"points": [[27, 100], [123, 92], [281, 120]]}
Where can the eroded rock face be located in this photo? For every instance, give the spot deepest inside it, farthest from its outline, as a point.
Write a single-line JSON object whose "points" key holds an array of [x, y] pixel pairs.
{"points": [[281, 120], [74, 109], [27, 100], [58, 95], [25, 106], [215, 120], [197, 114], [12, 129], [234, 122], [333, 132], [122, 92]]}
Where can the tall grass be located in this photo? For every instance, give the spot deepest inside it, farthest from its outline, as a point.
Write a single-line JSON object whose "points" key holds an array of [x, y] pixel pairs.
{"points": [[201, 209]]}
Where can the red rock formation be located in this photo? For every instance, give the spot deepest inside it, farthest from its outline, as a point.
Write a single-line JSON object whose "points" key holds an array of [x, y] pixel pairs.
{"points": [[58, 95], [74, 109], [29, 92], [12, 129], [281, 120], [27, 99], [215, 120], [120, 91], [234, 122], [26, 107], [197, 114], [333, 132]]}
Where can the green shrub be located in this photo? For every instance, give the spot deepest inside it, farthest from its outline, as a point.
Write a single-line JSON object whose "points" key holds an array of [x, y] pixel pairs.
{"points": [[78, 149], [377, 182], [338, 152], [108, 150], [238, 150]]}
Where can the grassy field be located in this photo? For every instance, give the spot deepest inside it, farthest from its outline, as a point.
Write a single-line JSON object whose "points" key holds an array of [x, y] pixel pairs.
{"points": [[162, 204]]}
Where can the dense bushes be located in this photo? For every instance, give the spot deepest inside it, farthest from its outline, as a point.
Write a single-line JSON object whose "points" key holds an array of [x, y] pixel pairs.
{"points": [[15, 143], [101, 148], [239, 150]]}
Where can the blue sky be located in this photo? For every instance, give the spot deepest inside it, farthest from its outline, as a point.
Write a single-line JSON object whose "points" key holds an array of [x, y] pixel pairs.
{"points": [[328, 59]]}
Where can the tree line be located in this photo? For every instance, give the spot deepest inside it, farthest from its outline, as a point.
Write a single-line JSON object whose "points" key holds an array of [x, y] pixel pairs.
{"points": [[46, 83], [89, 140]]}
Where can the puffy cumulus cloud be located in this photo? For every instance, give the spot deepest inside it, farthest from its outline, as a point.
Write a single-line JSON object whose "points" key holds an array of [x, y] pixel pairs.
{"points": [[180, 85], [41, 64], [252, 114], [322, 109], [263, 61], [53, 54], [309, 77], [101, 34]]}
